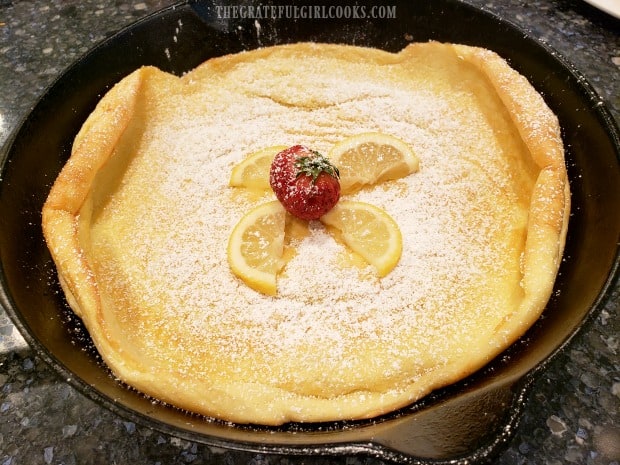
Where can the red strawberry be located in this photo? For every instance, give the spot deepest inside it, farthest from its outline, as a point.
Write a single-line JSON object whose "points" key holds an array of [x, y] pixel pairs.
{"points": [[305, 182]]}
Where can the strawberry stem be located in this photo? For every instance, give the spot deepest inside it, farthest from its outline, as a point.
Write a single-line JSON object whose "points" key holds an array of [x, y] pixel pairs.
{"points": [[314, 165]]}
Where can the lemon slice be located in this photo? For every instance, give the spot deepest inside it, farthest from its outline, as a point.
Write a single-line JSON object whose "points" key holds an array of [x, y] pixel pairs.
{"points": [[253, 172], [256, 245], [369, 231], [370, 158]]}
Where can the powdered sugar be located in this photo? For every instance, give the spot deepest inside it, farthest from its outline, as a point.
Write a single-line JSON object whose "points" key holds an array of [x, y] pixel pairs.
{"points": [[452, 224]]}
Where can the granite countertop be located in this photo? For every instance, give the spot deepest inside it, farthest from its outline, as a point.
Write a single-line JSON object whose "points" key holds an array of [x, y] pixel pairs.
{"points": [[573, 411]]}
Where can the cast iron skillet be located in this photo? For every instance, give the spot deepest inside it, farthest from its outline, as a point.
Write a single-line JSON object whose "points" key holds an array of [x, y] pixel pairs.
{"points": [[464, 423]]}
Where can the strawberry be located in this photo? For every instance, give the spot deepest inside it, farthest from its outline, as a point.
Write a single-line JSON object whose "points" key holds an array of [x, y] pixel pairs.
{"points": [[305, 182]]}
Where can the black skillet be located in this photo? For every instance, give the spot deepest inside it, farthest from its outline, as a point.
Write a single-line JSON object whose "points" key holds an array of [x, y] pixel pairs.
{"points": [[464, 423]]}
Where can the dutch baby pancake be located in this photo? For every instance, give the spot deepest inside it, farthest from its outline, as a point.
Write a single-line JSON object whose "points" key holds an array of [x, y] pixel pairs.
{"points": [[139, 220]]}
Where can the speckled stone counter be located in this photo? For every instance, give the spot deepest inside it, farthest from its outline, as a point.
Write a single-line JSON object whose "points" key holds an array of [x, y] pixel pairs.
{"points": [[573, 411]]}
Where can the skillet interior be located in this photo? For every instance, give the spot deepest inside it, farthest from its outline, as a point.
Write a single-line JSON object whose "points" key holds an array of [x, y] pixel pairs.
{"points": [[449, 424]]}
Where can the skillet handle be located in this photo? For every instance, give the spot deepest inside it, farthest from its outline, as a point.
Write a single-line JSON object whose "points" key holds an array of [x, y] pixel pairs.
{"points": [[478, 421]]}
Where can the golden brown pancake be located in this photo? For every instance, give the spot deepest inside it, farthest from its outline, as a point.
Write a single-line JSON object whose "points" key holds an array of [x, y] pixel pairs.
{"points": [[139, 218]]}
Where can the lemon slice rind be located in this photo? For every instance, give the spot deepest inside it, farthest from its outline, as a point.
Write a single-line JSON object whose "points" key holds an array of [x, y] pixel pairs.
{"points": [[253, 171], [256, 245], [371, 158], [369, 231]]}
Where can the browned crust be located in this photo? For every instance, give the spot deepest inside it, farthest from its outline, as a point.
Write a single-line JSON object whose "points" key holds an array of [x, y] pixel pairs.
{"points": [[550, 200], [92, 148]]}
